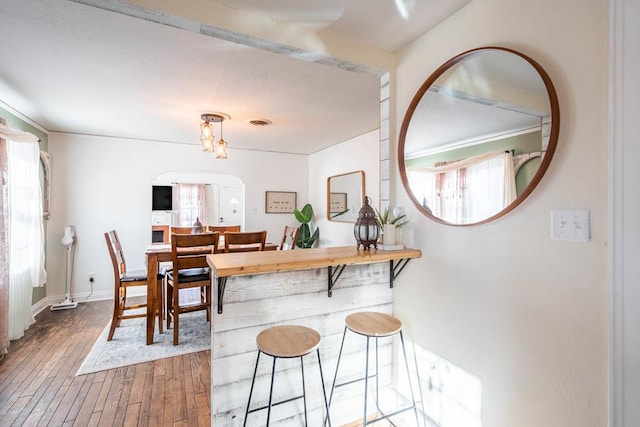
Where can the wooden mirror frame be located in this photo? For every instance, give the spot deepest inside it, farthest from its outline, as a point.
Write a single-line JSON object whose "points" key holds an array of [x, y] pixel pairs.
{"points": [[546, 160], [333, 216]]}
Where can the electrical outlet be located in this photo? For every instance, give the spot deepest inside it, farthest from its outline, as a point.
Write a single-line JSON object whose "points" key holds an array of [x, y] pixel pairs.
{"points": [[92, 277]]}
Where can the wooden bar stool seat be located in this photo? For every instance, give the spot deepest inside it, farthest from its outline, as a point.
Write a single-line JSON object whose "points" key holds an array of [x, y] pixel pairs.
{"points": [[371, 324], [287, 341]]}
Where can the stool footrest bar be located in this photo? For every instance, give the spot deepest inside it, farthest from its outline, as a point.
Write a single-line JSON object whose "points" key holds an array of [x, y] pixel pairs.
{"points": [[357, 380], [274, 404], [387, 416]]}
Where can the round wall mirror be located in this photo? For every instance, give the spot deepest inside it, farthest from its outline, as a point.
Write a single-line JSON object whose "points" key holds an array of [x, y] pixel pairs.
{"points": [[478, 136]]}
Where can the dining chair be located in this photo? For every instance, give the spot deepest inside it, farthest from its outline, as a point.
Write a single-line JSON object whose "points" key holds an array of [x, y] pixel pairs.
{"points": [[189, 270], [246, 241], [181, 230], [224, 228], [124, 279], [289, 238]]}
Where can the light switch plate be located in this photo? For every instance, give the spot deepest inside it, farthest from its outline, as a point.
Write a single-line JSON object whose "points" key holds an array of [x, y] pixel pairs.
{"points": [[570, 225]]}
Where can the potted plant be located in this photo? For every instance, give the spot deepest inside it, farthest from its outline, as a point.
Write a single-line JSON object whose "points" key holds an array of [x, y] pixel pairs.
{"points": [[389, 223], [306, 239]]}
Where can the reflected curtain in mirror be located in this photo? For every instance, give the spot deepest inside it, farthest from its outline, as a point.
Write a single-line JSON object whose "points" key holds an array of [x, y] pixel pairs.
{"points": [[468, 190], [192, 203]]}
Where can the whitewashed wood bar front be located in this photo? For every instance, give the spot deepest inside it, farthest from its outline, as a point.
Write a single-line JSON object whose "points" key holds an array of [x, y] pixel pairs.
{"points": [[271, 288]]}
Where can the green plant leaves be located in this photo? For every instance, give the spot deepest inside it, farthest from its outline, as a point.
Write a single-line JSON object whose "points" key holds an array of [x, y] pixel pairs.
{"points": [[306, 239], [383, 218], [305, 215]]}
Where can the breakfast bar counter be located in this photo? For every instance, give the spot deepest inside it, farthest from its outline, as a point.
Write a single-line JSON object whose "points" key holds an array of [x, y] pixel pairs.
{"points": [[240, 263], [244, 263], [316, 288]]}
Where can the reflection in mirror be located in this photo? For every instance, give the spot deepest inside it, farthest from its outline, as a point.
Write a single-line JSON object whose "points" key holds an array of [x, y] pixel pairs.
{"points": [[478, 136], [344, 196]]}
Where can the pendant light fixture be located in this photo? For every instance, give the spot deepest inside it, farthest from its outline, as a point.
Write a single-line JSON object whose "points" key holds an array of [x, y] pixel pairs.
{"points": [[207, 137]]}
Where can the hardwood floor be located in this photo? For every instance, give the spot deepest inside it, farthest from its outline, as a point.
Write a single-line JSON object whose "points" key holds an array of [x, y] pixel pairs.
{"points": [[38, 386]]}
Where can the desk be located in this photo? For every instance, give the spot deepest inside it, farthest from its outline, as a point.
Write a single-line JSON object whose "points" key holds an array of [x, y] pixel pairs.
{"points": [[155, 255]]}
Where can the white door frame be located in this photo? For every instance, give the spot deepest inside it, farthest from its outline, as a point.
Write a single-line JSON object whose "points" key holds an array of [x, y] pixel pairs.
{"points": [[624, 209]]}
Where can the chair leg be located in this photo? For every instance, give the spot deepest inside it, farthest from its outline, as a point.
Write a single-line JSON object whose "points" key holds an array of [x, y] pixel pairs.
{"points": [[366, 384], [324, 391], [116, 314], [377, 381], [255, 371], [168, 297], [406, 364], [208, 301], [176, 313], [159, 304], [335, 376], [304, 392], [273, 374]]}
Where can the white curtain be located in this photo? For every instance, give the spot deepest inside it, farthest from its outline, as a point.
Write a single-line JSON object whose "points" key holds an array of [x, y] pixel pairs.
{"points": [[25, 237], [466, 191], [192, 203]]}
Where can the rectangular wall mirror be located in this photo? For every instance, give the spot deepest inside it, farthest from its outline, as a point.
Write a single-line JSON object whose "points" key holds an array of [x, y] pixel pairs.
{"points": [[345, 193]]}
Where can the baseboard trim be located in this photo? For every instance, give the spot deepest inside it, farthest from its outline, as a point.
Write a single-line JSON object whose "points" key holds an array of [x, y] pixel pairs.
{"points": [[46, 302]]}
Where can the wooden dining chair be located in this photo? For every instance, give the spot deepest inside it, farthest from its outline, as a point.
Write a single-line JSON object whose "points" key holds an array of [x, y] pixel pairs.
{"points": [[124, 279], [289, 238], [190, 270], [181, 230], [223, 228], [246, 241]]}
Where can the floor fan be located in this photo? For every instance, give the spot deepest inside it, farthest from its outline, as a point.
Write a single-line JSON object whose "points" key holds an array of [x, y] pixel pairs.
{"points": [[68, 241]]}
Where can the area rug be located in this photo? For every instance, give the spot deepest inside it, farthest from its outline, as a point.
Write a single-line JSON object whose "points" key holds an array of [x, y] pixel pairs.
{"points": [[128, 345]]}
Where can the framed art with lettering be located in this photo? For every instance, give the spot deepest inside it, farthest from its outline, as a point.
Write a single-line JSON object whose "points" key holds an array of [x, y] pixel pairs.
{"points": [[337, 202], [280, 201]]}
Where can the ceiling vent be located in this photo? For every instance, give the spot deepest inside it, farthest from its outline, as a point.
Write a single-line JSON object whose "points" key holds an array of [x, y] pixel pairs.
{"points": [[260, 122]]}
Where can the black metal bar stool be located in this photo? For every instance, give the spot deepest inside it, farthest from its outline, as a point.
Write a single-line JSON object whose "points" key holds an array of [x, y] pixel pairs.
{"points": [[287, 341], [374, 325]]}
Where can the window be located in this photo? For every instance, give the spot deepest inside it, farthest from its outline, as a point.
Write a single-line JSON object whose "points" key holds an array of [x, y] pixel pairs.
{"points": [[192, 202]]}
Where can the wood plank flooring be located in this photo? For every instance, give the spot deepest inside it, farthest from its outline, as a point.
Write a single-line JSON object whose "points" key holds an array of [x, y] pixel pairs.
{"points": [[38, 386]]}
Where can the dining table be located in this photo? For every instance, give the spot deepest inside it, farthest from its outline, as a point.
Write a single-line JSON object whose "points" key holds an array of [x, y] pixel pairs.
{"points": [[156, 254]]}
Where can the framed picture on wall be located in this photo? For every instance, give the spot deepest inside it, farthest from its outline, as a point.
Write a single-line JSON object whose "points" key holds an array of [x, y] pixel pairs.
{"points": [[280, 201], [337, 202]]}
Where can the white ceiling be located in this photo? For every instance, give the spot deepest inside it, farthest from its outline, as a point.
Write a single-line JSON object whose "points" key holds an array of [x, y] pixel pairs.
{"points": [[72, 67]]}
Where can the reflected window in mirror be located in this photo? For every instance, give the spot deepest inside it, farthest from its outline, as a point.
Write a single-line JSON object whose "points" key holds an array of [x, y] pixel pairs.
{"points": [[478, 136], [345, 193]]}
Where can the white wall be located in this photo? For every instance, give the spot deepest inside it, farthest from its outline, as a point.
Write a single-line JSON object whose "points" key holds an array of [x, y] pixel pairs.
{"points": [[360, 153], [99, 184], [524, 315]]}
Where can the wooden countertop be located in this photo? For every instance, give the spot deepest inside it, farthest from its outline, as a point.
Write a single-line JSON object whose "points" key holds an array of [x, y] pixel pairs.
{"points": [[243, 263]]}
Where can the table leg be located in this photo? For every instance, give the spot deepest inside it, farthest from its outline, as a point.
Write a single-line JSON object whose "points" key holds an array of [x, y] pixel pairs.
{"points": [[152, 297]]}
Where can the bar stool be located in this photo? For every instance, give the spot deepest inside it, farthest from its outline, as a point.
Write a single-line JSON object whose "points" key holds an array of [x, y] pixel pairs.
{"points": [[287, 341], [374, 325]]}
